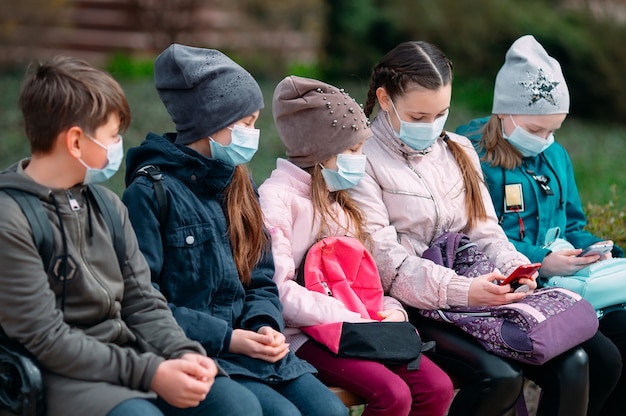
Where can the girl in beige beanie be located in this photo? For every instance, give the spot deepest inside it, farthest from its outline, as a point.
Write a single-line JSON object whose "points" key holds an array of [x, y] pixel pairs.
{"points": [[306, 198]]}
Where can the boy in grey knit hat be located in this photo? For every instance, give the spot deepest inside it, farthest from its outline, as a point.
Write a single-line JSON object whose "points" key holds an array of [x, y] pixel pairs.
{"points": [[533, 188]]}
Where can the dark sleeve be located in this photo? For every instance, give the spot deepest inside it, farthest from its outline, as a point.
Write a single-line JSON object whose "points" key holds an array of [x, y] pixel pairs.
{"points": [[144, 213], [262, 306], [144, 309]]}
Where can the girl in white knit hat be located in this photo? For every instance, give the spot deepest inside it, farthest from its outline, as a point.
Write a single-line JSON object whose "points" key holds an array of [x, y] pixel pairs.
{"points": [[532, 185]]}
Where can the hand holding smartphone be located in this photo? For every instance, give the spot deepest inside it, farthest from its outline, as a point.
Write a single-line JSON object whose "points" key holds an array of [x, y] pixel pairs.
{"points": [[599, 249], [523, 271]]}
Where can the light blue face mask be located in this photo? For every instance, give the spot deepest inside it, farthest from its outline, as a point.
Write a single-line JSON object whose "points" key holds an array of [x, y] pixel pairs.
{"points": [[419, 136], [243, 145], [115, 154], [528, 144], [350, 170]]}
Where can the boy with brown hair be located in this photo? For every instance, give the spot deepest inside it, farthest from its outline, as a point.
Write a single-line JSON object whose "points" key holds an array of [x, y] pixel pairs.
{"points": [[104, 338]]}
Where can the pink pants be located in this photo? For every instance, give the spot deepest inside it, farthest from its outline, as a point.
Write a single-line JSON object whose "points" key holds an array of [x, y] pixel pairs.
{"points": [[387, 389]]}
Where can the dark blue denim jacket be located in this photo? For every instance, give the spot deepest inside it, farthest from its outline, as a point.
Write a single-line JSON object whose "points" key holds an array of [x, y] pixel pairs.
{"points": [[192, 262]]}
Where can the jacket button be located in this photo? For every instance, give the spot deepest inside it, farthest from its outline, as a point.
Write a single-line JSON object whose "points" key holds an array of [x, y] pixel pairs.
{"points": [[193, 178], [189, 239]]}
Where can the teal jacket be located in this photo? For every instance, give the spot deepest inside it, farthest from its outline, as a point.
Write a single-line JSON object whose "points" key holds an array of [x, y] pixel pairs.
{"points": [[540, 210]]}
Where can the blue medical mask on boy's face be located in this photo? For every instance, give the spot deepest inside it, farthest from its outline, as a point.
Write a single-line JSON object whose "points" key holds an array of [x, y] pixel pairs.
{"points": [[419, 136], [115, 154], [243, 145], [350, 170], [528, 144]]}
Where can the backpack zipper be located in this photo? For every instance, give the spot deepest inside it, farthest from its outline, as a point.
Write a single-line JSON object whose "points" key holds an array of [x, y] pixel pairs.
{"points": [[326, 288]]}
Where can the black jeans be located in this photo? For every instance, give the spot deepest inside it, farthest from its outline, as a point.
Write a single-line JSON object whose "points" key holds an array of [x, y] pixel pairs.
{"points": [[490, 384], [613, 326]]}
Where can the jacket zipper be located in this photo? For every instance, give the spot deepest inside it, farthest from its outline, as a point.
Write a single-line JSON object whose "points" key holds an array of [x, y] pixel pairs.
{"points": [[432, 198], [75, 206]]}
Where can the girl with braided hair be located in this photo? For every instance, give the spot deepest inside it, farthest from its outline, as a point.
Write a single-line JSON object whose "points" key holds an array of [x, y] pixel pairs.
{"points": [[422, 181]]}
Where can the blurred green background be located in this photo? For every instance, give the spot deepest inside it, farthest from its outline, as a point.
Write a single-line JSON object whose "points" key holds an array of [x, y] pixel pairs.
{"points": [[349, 36]]}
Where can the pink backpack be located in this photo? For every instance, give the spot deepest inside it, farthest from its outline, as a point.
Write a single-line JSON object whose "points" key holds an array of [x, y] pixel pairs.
{"points": [[343, 268]]}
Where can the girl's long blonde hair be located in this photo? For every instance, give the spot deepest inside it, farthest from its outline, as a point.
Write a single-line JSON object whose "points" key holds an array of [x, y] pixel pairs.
{"points": [[323, 199], [246, 234], [497, 150]]}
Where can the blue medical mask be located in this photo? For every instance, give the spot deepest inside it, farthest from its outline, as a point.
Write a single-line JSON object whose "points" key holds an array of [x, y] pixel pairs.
{"points": [[419, 136], [115, 154], [243, 145], [350, 170], [527, 143]]}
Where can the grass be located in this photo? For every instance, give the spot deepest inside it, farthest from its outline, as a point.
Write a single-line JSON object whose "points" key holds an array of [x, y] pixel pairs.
{"points": [[597, 150]]}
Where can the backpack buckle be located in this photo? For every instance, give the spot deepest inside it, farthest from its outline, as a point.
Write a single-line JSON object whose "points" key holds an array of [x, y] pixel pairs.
{"points": [[151, 170]]}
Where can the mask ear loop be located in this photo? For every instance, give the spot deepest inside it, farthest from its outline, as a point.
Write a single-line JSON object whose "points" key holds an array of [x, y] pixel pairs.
{"points": [[389, 116], [504, 135]]}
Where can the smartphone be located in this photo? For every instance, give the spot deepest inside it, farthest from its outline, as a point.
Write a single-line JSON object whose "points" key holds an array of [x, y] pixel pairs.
{"points": [[523, 271], [599, 249]]}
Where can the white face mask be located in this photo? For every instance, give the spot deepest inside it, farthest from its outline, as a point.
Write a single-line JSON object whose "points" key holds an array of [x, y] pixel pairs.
{"points": [[419, 136], [350, 170], [243, 145], [115, 154], [528, 144]]}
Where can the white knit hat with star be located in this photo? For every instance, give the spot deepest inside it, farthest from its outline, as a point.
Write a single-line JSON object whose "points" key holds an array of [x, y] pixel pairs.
{"points": [[530, 82]]}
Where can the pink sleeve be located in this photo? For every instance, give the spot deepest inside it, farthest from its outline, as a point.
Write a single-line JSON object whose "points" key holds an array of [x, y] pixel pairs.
{"points": [[301, 307]]}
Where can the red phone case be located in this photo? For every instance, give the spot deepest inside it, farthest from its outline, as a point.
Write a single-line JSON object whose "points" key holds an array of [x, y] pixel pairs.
{"points": [[525, 270]]}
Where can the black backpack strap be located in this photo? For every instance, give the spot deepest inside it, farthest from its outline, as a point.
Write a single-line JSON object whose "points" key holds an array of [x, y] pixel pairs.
{"points": [[38, 221], [153, 172], [112, 220]]}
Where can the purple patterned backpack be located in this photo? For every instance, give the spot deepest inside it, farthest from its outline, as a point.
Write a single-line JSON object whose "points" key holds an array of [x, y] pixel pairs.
{"points": [[543, 325], [457, 252]]}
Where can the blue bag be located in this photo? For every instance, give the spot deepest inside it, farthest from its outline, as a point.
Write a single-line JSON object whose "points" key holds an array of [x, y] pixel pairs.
{"points": [[603, 283]]}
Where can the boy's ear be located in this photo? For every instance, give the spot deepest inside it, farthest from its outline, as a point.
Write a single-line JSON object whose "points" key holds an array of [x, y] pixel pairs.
{"points": [[71, 139]]}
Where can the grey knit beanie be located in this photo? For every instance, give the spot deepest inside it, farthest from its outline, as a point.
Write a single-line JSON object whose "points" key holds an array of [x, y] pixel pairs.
{"points": [[316, 121], [203, 90], [530, 82]]}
